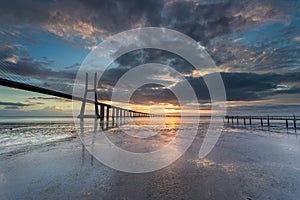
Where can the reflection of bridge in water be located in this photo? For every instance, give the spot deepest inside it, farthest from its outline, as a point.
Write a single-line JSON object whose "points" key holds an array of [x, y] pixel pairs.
{"points": [[104, 112]]}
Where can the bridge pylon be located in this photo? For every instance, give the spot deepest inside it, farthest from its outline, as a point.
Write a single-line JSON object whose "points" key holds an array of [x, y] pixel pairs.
{"points": [[84, 100]]}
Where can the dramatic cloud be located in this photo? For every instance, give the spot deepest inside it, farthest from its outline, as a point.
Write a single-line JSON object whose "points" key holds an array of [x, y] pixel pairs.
{"points": [[90, 21], [255, 44], [83, 22], [239, 87]]}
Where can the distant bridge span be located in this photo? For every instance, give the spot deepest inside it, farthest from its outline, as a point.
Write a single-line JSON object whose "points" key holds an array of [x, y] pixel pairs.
{"points": [[116, 111]]}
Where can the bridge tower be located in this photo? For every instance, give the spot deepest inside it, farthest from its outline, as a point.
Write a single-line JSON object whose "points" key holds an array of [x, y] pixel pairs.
{"points": [[94, 90]]}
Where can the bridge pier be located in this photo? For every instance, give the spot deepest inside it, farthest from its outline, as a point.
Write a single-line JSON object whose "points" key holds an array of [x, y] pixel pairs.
{"points": [[284, 119], [101, 111], [95, 95], [107, 113], [84, 100], [113, 114]]}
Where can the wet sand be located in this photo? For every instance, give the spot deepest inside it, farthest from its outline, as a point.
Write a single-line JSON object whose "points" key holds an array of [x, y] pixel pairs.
{"points": [[243, 165]]}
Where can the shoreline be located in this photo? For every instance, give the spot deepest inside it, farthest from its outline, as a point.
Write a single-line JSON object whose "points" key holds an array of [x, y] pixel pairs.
{"points": [[242, 165]]}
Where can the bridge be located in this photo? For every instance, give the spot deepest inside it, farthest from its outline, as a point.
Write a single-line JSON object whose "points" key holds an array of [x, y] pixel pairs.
{"points": [[116, 111]]}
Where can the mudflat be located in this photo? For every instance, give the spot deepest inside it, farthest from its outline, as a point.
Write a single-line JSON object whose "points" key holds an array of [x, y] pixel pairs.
{"points": [[245, 164]]}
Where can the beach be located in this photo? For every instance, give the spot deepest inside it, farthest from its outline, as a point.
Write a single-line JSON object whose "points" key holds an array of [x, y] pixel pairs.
{"points": [[244, 164], [157, 99]]}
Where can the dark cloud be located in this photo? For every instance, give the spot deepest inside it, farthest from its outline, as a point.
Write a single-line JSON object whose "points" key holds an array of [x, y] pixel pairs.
{"points": [[201, 21], [6, 52], [31, 71], [14, 104], [43, 98], [153, 94], [46, 99], [238, 86], [116, 15], [251, 86], [73, 66], [275, 109], [11, 107], [139, 57], [135, 58], [28, 12]]}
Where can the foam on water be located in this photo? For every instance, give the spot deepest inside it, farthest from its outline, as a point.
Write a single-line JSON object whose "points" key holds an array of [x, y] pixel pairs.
{"points": [[17, 134]]}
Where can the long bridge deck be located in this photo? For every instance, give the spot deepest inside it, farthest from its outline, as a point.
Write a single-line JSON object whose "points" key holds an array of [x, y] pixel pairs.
{"points": [[116, 111]]}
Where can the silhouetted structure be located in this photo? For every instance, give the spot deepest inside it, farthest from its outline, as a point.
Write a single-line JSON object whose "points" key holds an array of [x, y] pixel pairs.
{"points": [[236, 120], [117, 112]]}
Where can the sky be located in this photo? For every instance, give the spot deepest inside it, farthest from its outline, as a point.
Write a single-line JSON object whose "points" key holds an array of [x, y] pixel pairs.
{"points": [[255, 45]]}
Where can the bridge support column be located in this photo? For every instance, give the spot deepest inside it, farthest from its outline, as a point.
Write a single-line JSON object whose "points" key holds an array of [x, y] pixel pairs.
{"points": [[84, 96], [295, 122], [117, 113], [95, 96], [86, 90], [107, 113], [113, 114], [101, 111]]}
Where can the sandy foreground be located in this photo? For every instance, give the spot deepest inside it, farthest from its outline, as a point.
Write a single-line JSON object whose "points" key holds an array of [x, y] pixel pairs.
{"points": [[243, 165]]}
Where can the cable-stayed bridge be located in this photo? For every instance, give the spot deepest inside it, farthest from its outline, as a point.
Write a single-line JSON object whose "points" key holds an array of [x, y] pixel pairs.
{"points": [[99, 113]]}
